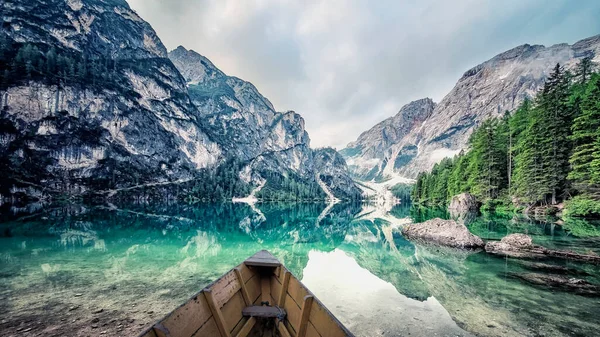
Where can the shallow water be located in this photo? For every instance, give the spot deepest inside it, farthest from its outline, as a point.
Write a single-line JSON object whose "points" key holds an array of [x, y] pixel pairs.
{"points": [[113, 270]]}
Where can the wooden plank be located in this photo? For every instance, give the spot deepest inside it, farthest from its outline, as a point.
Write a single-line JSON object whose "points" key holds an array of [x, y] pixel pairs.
{"points": [[263, 311], [284, 287], [247, 327], [238, 327], [265, 289], [218, 316], [187, 319], [278, 273], [324, 322], [208, 329], [283, 331], [247, 273], [297, 291], [311, 331], [238, 272], [262, 259], [272, 300], [306, 308], [224, 288], [253, 286], [274, 289], [232, 312], [293, 313]]}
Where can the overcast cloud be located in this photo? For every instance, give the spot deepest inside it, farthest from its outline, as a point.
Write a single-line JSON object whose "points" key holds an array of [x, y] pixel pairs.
{"points": [[345, 65]]}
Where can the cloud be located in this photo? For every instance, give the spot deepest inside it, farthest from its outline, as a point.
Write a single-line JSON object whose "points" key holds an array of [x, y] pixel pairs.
{"points": [[345, 65]]}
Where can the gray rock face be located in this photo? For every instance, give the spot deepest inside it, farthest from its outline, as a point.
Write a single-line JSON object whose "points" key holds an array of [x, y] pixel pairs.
{"points": [[160, 123], [332, 170], [485, 91], [77, 138], [247, 127], [244, 122], [443, 232], [463, 203], [369, 155]]}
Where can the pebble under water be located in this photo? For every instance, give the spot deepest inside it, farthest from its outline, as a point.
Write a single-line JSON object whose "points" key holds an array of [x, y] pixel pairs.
{"points": [[114, 270]]}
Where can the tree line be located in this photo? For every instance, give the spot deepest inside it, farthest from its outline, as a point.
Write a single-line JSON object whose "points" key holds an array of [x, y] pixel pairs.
{"points": [[289, 187], [22, 62], [546, 152]]}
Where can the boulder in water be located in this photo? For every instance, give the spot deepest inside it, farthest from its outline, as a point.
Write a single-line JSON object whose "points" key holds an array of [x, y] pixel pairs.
{"points": [[443, 232], [521, 246], [463, 203]]}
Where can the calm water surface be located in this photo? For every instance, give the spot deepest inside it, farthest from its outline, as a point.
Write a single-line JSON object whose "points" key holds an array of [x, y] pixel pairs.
{"points": [[113, 270]]}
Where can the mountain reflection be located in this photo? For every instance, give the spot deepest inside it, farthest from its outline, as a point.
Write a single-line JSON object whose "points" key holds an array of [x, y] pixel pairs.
{"points": [[352, 256]]}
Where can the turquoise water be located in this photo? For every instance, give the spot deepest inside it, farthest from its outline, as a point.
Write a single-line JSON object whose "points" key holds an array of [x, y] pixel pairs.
{"points": [[113, 270]]}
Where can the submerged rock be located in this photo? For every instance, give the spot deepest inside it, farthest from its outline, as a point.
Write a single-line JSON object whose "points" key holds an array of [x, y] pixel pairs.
{"points": [[575, 285], [443, 232], [463, 203], [521, 246], [551, 268]]}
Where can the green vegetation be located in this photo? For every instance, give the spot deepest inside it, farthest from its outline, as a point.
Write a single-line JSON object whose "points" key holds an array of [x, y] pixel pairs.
{"points": [[581, 228], [221, 183], [401, 191], [583, 207], [289, 187], [21, 62], [547, 151]]}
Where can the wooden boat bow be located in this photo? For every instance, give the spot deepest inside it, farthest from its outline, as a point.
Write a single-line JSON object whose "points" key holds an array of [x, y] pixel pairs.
{"points": [[259, 297]]}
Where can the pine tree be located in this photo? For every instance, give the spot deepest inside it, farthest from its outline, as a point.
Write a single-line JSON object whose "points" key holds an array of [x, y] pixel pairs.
{"points": [[595, 167], [584, 69], [517, 124], [415, 194], [555, 124], [5, 47], [586, 132], [51, 59], [488, 162], [525, 181]]}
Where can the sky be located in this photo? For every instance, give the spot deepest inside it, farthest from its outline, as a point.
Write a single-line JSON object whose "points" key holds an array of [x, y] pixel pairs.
{"points": [[346, 65]]}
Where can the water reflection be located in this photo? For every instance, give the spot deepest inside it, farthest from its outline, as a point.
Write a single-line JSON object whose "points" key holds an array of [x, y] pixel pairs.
{"points": [[370, 306], [137, 262]]}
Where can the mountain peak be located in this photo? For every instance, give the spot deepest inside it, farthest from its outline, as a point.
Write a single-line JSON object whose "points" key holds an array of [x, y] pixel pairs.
{"points": [[420, 105], [194, 67]]}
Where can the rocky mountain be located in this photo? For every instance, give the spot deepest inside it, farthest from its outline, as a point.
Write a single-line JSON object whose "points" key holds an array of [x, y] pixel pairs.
{"points": [[247, 127], [92, 104], [368, 156], [485, 91]]}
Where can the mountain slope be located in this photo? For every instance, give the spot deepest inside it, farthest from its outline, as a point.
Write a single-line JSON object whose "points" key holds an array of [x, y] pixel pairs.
{"points": [[248, 128], [92, 104], [101, 100], [483, 92], [368, 156]]}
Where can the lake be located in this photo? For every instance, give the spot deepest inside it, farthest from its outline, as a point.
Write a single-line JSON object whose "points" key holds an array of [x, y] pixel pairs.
{"points": [[113, 270]]}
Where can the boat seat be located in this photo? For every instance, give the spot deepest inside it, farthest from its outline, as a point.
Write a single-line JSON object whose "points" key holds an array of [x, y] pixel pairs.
{"points": [[259, 311]]}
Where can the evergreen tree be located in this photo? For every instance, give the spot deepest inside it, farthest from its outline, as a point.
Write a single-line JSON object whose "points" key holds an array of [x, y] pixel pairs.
{"points": [[488, 162], [416, 193], [586, 132], [555, 127], [584, 69], [595, 167]]}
